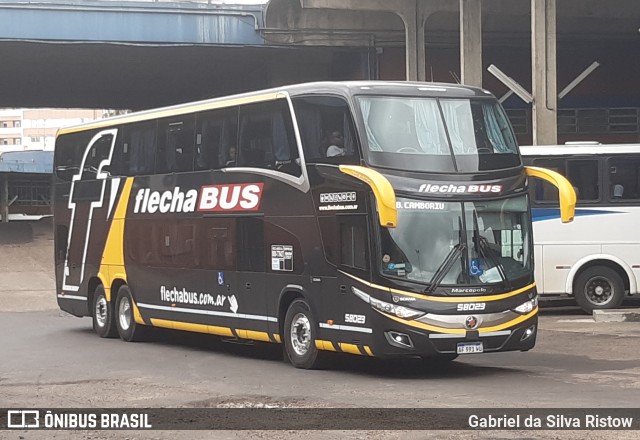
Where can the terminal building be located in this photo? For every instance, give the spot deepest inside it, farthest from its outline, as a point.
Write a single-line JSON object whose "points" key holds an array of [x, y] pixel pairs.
{"points": [[564, 70]]}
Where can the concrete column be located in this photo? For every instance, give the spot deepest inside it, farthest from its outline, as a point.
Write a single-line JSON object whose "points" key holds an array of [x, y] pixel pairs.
{"points": [[4, 197], [414, 16], [421, 50], [411, 38], [544, 79], [471, 42]]}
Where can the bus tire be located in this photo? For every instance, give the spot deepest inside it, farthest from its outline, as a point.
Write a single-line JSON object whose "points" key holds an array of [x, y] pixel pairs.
{"points": [[599, 287], [300, 336], [104, 323], [128, 329]]}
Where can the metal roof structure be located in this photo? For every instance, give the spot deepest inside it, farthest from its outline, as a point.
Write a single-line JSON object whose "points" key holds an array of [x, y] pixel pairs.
{"points": [[27, 162]]}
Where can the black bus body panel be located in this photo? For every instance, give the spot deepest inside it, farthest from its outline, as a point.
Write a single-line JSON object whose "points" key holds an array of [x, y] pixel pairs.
{"points": [[188, 261]]}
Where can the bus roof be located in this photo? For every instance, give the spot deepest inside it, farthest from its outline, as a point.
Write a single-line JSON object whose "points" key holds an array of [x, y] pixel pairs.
{"points": [[346, 88], [579, 149]]}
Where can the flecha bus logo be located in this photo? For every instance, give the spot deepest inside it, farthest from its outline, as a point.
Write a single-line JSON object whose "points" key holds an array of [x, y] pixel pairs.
{"points": [[210, 198], [241, 197]]}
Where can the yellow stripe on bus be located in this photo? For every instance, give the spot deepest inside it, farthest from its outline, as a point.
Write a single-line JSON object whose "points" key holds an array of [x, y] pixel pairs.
{"points": [[137, 316], [344, 347], [350, 348], [112, 263], [173, 111], [253, 335], [324, 345], [452, 299], [518, 320], [461, 331], [197, 328], [277, 338]]}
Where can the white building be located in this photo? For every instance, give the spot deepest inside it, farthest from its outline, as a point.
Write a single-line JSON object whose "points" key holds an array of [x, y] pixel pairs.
{"points": [[35, 129]]}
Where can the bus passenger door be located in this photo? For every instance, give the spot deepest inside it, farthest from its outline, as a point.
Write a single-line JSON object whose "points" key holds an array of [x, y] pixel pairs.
{"points": [[250, 276]]}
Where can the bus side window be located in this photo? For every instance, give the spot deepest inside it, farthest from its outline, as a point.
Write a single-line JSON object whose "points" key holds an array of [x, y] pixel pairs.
{"points": [[69, 151], [135, 149], [146, 248], [320, 119], [267, 139], [583, 174], [216, 139], [179, 245], [175, 145], [543, 192], [624, 178], [219, 246]]}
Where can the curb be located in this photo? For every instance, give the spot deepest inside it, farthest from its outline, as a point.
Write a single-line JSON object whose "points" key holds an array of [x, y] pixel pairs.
{"points": [[617, 315]]}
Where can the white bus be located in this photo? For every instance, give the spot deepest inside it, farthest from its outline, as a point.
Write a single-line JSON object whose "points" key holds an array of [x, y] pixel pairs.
{"points": [[596, 258]]}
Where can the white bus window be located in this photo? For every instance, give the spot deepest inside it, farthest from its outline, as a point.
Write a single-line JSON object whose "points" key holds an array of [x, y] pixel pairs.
{"points": [[543, 191], [624, 178], [582, 173]]}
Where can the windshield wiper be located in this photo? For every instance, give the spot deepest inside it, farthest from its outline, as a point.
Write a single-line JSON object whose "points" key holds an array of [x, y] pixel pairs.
{"points": [[485, 251], [451, 257]]}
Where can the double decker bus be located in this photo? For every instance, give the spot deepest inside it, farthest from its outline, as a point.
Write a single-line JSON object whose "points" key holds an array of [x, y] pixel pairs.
{"points": [[372, 218]]}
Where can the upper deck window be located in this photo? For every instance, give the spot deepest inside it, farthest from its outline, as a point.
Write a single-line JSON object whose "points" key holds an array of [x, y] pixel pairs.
{"points": [[438, 135], [326, 129], [266, 138]]}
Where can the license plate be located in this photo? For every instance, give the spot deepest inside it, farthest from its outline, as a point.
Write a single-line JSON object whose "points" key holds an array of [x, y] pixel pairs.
{"points": [[470, 347]]}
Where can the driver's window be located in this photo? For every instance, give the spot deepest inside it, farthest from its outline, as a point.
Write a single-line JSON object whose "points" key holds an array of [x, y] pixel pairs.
{"points": [[327, 129]]}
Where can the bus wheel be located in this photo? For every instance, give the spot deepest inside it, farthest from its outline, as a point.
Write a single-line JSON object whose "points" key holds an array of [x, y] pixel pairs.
{"points": [[128, 329], [299, 336], [103, 320], [599, 287]]}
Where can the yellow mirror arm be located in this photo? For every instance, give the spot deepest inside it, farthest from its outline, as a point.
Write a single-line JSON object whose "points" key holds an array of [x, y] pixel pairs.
{"points": [[382, 190], [565, 190]]}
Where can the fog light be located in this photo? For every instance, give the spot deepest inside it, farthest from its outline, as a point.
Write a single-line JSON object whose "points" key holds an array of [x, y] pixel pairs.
{"points": [[528, 333], [399, 339]]}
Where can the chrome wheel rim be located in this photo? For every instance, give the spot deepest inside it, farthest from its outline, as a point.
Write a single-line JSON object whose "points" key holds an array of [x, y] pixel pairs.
{"points": [[101, 311], [300, 334], [124, 313], [599, 291]]}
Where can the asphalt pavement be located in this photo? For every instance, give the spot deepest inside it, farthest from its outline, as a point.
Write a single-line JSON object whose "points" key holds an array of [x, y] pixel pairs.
{"points": [[49, 359]]}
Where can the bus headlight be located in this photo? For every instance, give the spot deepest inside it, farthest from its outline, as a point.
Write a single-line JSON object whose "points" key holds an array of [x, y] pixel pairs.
{"points": [[391, 309], [527, 306]]}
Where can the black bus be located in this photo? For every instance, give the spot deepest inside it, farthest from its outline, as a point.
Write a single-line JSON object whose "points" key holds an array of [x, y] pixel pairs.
{"points": [[374, 218]]}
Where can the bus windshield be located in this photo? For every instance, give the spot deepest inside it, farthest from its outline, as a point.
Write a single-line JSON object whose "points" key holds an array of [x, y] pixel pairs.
{"points": [[438, 135], [454, 243]]}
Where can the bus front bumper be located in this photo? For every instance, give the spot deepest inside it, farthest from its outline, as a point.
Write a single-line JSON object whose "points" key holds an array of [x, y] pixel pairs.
{"points": [[407, 340]]}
